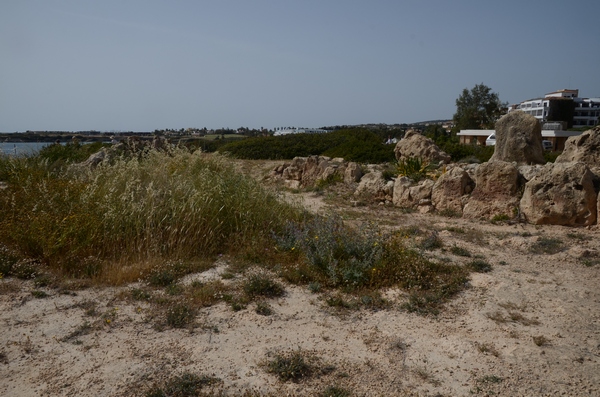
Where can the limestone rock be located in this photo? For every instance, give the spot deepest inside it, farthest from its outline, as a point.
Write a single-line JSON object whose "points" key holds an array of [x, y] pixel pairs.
{"points": [[407, 194], [518, 138], [563, 194], [496, 191], [451, 191], [530, 171], [372, 185], [584, 148], [416, 145], [353, 173]]}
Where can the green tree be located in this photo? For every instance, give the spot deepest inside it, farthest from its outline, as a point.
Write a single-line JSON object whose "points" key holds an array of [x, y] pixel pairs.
{"points": [[478, 108]]}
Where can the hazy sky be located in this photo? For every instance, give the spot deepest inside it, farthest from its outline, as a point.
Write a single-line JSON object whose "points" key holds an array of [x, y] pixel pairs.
{"points": [[145, 65]]}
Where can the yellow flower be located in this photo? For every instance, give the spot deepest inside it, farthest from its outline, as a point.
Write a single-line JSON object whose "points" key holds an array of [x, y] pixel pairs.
{"points": [[108, 321]]}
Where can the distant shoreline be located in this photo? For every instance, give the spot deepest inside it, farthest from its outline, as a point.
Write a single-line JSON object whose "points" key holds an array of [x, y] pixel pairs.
{"points": [[49, 137]]}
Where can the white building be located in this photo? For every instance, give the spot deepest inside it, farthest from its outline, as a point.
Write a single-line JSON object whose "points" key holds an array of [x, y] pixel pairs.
{"points": [[586, 110], [294, 130]]}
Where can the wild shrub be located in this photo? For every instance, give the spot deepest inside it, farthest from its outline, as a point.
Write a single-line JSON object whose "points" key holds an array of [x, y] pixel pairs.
{"points": [[184, 385], [414, 168], [547, 245], [72, 152], [291, 366], [262, 285], [352, 144], [344, 256], [480, 266], [180, 315]]}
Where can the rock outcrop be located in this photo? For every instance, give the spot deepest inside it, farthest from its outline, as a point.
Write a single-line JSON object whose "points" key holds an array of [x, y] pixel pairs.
{"points": [[584, 148], [451, 190], [563, 194], [496, 191], [408, 194], [519, 139], [416, 145], [375, 187], [306, 171]]}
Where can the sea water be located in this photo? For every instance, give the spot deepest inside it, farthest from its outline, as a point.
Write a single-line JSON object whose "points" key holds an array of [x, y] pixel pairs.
{"points": [[22, 148]]}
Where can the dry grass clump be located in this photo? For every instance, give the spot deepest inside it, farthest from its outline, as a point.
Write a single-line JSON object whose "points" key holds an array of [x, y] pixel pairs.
{"points": [[179, 205]]}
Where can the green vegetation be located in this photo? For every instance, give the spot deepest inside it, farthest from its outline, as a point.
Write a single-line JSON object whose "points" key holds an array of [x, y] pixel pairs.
{"points": [[291, 366], [167, 215], [352, 144], [547, 245], [459, 152], [184, 385], [72, 152], [480, 266], [414, 168], [478, 108], [176, 206]]}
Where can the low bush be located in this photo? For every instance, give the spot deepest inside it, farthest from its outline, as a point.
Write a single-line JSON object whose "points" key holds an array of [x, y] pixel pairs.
{"points": [[547, 245], [262, 285], [291, 366], [184, 385], [352, 144]]}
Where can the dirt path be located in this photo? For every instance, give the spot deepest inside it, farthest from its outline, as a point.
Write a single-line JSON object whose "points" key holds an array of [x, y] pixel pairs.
{"points": [[530, 327]]}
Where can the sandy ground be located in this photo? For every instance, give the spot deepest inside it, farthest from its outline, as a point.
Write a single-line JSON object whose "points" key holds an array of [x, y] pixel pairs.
{"points": [[530, 327]]}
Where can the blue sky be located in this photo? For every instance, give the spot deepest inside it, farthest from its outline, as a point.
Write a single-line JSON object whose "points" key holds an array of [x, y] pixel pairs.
{"points": [[145, 65]]}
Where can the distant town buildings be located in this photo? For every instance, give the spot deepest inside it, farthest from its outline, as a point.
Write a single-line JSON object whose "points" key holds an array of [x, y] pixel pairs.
{"points": [[557, 112], [562, 106], [295, 130]]}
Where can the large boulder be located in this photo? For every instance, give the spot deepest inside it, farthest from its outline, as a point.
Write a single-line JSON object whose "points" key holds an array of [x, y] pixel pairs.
{"points": [[563, 194], [496, 191], [416, 145], [519, 139], [451, 190], [408, 194], [584, 148]]}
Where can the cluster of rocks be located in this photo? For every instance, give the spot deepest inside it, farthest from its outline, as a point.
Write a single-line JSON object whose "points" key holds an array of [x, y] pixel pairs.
{"points": [[514, 184]]}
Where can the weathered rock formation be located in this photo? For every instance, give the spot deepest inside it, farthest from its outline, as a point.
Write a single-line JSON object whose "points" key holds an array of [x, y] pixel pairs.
{"points": [[306, 171], [374, 186], [584, 148], [407, 194], [496, 191], [519, 139], [563, 194], [451, 190], [416, 145]]}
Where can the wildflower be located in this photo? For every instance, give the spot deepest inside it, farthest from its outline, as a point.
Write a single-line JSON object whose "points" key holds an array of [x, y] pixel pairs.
{"points": [[108, 321]]}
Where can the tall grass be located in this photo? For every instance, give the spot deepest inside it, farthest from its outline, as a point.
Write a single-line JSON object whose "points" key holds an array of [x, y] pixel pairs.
{"points": [[176, 205]]}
